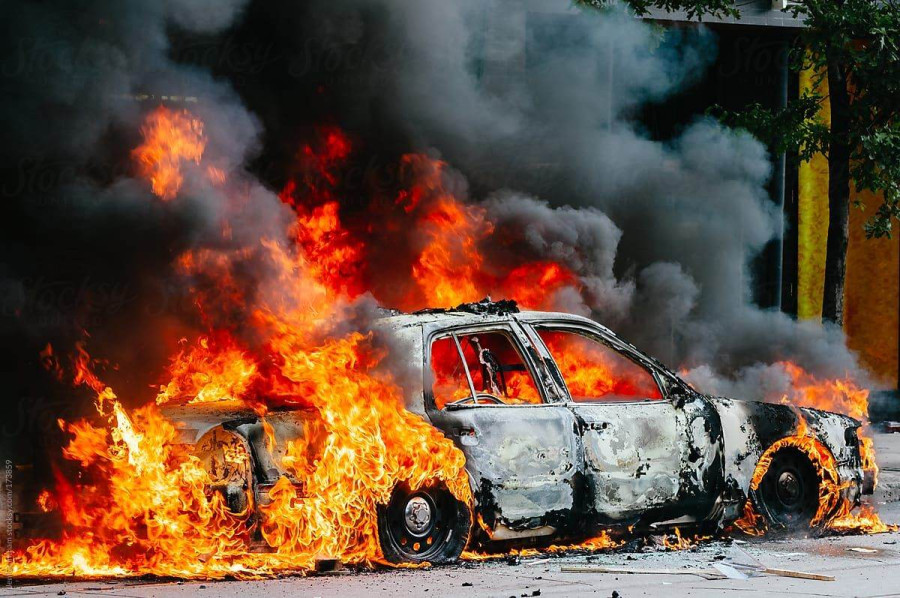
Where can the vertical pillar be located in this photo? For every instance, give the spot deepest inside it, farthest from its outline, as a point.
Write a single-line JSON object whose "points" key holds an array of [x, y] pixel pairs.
{"points": [[812, 221], [780, 175]]}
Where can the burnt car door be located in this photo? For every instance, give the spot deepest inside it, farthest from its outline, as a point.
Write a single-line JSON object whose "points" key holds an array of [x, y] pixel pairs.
{"points": [[643, 455], [484, 389]]}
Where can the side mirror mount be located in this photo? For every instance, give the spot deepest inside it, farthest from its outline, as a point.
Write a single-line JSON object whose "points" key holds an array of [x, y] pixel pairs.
{"points": [[677, 392], [679, 397]]}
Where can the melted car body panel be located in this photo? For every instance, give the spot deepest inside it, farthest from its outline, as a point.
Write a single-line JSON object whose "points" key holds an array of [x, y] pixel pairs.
{"points": [[560, 467], [522, 460], [742, 446], [702, 455], [632, 456]]}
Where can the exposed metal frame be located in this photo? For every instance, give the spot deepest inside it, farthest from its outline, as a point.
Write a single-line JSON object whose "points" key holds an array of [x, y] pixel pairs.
{"points": [[504, 324]]}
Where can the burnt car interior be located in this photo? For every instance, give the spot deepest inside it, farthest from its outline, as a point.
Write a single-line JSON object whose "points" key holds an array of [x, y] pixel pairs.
{"points": [[488, 368], [596, 372], [480, 368]]}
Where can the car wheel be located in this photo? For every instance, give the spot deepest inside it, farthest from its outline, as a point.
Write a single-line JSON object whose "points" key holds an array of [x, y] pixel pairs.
{"points": [[426, 525], [789, 491], [225, 455]]}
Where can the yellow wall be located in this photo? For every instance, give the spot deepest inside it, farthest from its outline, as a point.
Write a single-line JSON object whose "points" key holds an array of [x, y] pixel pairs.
{"points": [[872, 286], [812, 222], [871, 295]]}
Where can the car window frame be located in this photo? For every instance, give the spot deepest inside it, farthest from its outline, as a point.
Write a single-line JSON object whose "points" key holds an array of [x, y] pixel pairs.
{"points": [[596, 334], [516, 336]]}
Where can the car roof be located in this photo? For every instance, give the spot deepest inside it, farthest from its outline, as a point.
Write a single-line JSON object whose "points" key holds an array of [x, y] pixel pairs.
{"points": [[501, 311], [477, 313]]}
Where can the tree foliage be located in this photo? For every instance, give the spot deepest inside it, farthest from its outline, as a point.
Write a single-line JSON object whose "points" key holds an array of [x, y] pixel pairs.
{"points": [[694, 9], [859, 38]]}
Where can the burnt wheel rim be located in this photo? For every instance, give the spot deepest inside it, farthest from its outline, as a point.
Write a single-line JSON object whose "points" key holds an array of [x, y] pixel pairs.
{"points": [[790, 490], [418, 515], [420, 524]]}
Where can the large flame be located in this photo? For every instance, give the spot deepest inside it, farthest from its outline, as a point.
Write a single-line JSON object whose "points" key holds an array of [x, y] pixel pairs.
{"points": [[150, 509], [276, 332], [146, 504], [207, 373]]}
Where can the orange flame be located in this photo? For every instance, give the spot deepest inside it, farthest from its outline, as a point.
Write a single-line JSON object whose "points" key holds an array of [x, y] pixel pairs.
{"points": [[148, 505], [450, 267], [751, 522], [152, 510], [447, 270], [334, 256], [839, 395], [835, 511], [170, 139], [148, 513], [589, 371], [676, 541], [602, 541], [205, 374]]}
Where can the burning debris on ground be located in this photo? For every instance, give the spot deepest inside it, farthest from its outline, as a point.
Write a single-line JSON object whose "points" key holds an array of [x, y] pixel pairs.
{"points": [[307, 396]]}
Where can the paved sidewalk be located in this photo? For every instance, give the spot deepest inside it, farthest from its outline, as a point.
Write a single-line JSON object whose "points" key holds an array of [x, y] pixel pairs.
{"points": [[887, 453]]}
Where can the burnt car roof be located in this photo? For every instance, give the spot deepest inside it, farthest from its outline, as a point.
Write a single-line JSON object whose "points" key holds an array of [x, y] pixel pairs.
{"points": [[485, 310], [504, 310]]}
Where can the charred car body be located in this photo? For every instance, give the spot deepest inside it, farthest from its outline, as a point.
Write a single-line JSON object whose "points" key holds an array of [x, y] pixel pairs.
{"points": [[566, 429]]}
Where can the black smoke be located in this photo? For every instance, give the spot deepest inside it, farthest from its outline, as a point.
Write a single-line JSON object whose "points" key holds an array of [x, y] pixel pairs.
{"points": [[536, 107], [86, 249]]}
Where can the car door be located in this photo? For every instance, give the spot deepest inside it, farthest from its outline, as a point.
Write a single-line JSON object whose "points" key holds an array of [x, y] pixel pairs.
{"points": [[632, 446], [484, 388]]}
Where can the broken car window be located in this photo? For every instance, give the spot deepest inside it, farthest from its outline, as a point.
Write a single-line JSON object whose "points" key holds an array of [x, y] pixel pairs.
{"points": [[593, 371], [498, 372]]}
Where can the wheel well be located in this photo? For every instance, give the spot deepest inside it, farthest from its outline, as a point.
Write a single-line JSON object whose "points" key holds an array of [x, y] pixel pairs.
{"points": [[228, 460], [786, 487]]}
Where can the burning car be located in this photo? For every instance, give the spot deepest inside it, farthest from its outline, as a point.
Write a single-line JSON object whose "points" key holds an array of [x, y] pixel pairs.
{"points": [[567, 431]]}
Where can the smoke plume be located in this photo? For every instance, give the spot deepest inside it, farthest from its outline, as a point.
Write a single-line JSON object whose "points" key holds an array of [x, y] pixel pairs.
{"points": [[533, 105]]}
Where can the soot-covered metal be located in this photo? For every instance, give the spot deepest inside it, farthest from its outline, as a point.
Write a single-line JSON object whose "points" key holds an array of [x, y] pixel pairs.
{"points": [[558, 465]]}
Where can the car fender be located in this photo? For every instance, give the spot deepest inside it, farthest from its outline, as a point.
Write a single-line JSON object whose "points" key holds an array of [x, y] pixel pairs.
{"points": [[751, 427]]}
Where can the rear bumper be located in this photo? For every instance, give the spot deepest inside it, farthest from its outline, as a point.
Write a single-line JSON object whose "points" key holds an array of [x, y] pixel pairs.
{"points": [[851, 479]]}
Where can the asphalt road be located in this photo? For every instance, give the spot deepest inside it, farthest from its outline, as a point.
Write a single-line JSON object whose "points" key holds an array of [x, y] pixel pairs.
{"points": [[862, 566]]}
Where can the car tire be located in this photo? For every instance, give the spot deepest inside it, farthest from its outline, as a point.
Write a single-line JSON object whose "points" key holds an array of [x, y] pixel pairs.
{"points": [[428, 525], [788, 494]]}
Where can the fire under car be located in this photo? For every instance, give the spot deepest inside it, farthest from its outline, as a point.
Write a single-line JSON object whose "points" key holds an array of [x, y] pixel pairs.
{"points": [[567, 431]]}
